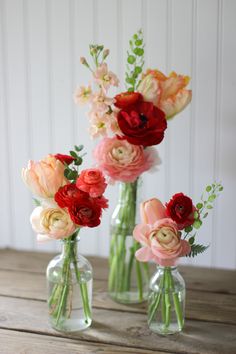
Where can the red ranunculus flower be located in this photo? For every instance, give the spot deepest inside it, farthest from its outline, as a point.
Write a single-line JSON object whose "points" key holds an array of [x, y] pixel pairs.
{"points": [[142, 123], [85, 212], [68, 194], [102, 202], [127, 99], [65, 158], [181, 209]]}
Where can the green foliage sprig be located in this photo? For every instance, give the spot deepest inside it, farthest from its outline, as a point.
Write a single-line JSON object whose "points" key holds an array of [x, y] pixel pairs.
{"points": [[207, 199], [135, 61], [72, 171]]}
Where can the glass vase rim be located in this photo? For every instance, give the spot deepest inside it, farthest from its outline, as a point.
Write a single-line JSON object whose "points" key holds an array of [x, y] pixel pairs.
{"points": [[166, 267]]}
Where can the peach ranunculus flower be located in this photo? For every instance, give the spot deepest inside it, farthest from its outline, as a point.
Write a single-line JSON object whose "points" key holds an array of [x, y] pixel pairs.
{"points": [[152, 210], [44, 177], [83, 95], [122, 161], [160, 242], [105, 78], [51, 222], [166, 92]]}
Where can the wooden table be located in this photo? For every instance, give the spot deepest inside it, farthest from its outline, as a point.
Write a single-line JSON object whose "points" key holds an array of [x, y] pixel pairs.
{"points": [[210, 314]]}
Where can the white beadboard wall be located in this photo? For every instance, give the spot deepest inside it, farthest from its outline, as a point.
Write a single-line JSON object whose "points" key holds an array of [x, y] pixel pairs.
{"points": [[41, 42]]}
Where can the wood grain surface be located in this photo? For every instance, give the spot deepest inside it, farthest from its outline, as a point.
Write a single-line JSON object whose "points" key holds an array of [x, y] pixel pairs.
{"points": [[210, 314]]}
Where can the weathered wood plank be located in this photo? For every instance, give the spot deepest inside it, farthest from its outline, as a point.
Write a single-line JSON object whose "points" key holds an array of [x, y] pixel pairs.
{"points": [[200, 305], [14, 342], [120, 328], [196, 278]]}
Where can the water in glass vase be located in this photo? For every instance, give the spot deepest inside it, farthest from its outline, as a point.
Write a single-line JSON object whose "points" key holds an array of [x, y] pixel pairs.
{"points": [[69, 279], [166, 303]]}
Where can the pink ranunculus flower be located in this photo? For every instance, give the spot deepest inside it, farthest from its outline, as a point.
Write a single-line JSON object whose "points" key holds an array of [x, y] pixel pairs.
{"points": [[160, 242], [92, 182], [122, 161], [104, 77], [51, 222], [44, 177], [152, 210], [166, 92]]}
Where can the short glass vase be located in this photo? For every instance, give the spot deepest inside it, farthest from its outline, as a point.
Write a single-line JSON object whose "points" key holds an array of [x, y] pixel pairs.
{"points": [[166, 302], [69, 283]]}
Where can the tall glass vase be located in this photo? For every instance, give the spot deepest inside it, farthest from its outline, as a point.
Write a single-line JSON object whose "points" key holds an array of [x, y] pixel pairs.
{"points": [[69, 280], [166, 303], [128, 278]]}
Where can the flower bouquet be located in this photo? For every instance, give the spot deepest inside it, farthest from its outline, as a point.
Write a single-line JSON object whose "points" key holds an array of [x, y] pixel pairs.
{"points": [[166, 234], [129, 124], [67, 200]]}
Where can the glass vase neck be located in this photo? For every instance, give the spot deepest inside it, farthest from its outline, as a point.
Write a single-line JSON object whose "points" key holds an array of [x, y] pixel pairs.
{"points": [[70, 244], [162, 268], [128, 192]]}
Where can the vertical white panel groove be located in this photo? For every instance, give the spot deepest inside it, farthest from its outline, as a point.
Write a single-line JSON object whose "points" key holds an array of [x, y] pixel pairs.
{"points": [[27, 84], [217, 120], [73, 64], [193, 104], [5, 90], [119, 35], [95, 41], [144, 26], [49, 71], [168, 65]]}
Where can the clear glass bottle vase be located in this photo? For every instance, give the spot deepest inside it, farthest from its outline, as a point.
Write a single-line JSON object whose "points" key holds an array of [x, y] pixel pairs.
{"points": [[166, 302], [69, 283], [128, 278]]}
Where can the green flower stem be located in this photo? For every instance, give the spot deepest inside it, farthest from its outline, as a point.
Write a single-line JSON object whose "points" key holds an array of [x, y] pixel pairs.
{"points": [[158, 296], [139, 274], [167, 297], [177, 305], [163, 302]]}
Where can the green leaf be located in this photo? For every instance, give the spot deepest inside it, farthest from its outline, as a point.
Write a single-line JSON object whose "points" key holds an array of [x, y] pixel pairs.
{"points": [[196, 215], [130, 89], [205, 215], [73, 154], [36, 202], [67, 172], [72, 175], [138, 70], [78, 161], [212, 198], [208, 188], [199, 205], [197, 224], [138, 42], [191, 240], [188, 228], [209, 206], [138, 51], [79, 148], [131, 59], [197, 249], [221, 188]]}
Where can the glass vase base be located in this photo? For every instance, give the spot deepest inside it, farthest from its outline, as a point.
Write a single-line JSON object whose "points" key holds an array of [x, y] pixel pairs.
{"points": [[163, 330], [128, 297], [72, 325]]}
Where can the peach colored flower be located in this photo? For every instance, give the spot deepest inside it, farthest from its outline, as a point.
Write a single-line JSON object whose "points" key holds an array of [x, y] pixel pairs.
{"points": [[83, 95], [51, 222], [160, 242], [92, 182], [167, 93], [44, 177], [122, 161], [101, 103], [105, 78], [152, 210], [101, 124]]}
